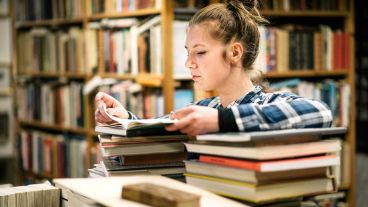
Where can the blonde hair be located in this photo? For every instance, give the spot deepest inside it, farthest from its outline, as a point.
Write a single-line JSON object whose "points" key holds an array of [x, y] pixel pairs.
{"points": [[235, 20]]}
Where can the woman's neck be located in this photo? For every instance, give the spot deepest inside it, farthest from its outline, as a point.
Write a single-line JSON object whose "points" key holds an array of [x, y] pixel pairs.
{"points": [[235, 87]]}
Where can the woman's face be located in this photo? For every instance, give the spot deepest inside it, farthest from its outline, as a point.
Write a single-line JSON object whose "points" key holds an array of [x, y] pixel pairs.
{"points": [[205, 59]]}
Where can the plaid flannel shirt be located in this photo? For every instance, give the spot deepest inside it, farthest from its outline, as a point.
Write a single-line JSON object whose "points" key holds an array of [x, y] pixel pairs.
{"points": [[257, 111]]}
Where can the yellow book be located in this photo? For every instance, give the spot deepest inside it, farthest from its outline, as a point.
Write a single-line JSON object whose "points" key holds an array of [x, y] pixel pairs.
{"points": [[260, 193]]}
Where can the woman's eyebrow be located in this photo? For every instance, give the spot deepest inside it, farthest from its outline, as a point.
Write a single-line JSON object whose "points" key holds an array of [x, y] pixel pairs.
{"points": [[196, 45]]}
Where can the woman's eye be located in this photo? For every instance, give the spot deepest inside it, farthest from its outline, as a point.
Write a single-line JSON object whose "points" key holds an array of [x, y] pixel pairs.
{"points": [[201, 52]]}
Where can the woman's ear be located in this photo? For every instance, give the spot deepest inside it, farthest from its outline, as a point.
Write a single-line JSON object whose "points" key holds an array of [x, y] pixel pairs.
{"points": [[236, 50]]}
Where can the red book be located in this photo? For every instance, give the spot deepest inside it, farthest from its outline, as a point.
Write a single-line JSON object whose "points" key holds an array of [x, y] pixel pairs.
{"points": [[47, 156], [276, 165], [347, 50]]}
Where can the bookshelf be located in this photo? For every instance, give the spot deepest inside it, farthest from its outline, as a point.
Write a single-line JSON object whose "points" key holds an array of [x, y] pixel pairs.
{"points": [[7, 143], [164, 82], [343, 16]]}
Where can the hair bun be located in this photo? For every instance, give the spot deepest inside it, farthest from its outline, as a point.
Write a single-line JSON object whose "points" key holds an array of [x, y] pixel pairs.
{"points": [[249, 3]]}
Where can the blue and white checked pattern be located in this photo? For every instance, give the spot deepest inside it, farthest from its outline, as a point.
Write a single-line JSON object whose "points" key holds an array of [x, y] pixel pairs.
{"points": [[258, 111]]}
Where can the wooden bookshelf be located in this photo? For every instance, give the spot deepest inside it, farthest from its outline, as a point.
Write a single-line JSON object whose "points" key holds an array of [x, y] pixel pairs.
{"points": [[45, 75], [48, 23], [137, 13], [167, 81], [6, 91], [306, 14], [5, 65], [118, 76], [306, 74], [149, 80], [52, 127]]}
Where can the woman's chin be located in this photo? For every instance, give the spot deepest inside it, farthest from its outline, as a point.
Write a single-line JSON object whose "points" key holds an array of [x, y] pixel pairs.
{"points": [[200, 87]]}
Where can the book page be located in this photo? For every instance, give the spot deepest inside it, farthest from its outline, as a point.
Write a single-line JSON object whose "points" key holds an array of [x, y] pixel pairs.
{"points": [[127, 123]]}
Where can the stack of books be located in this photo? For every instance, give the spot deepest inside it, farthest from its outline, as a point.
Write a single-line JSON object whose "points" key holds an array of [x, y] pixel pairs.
{"points": [[143, 146], [263, 167], [41, 195]]}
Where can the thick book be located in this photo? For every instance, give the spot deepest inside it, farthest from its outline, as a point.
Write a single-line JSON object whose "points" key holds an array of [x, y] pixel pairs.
{"points": [[114, 141], [141, 159], [260, 193], [149, 148], [251, 176], [289, 135], [274, 165], [268, 152]]}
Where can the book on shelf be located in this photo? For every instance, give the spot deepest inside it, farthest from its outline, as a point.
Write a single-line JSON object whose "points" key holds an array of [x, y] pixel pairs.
{"points": [[251, 176], [4, 7], [120, 6], [53, 155], [179, 52], [303, 48], [6, 40], [107, 191], [260, 193], [313, 5]]}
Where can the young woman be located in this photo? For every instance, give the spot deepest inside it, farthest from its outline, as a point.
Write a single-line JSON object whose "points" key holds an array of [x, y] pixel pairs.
{"points": [[222, 44]]}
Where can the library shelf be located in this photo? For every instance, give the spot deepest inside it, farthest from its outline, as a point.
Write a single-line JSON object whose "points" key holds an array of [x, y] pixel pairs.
{"points": [[53, 75], [149, 80], [52, 127], [306, 74], [48, 23], [4, 65], [137, 13], [118, 76], [6, 91], [296, 13], [34, 175]]}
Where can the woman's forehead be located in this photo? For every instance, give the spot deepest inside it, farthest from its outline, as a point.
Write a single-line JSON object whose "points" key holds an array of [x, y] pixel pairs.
{"points": [[199, 35]]}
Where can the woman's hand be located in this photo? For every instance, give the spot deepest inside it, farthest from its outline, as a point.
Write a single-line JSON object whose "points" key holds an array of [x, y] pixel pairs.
{"points": [[113, 107], [194, 120]]}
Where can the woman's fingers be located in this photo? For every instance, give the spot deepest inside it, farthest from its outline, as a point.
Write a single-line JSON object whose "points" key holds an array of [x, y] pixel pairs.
{"points": [[101, 117], [180, 124]]}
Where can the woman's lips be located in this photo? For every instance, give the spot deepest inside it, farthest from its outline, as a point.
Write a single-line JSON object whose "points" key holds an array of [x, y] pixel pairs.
{"points": [[195, 77]]}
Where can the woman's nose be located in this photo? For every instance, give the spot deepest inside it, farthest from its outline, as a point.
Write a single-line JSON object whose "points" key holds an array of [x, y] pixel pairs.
{"points": [[189, 63]]}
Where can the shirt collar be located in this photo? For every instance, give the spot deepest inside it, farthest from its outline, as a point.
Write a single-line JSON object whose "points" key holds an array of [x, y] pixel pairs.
{"points": [[248, 97]]}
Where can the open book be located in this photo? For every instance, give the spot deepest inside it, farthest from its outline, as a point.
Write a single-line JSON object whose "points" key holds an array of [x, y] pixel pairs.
{"points": [[137, 127]]}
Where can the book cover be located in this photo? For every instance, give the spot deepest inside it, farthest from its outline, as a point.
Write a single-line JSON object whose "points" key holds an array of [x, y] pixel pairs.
{"points": [[274, 165], [308, 133], [267, 152], [251, 176], [260, 193]]}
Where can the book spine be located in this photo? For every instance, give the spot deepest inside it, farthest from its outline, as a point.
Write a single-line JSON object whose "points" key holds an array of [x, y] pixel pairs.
{"points": [[230, 162]]}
